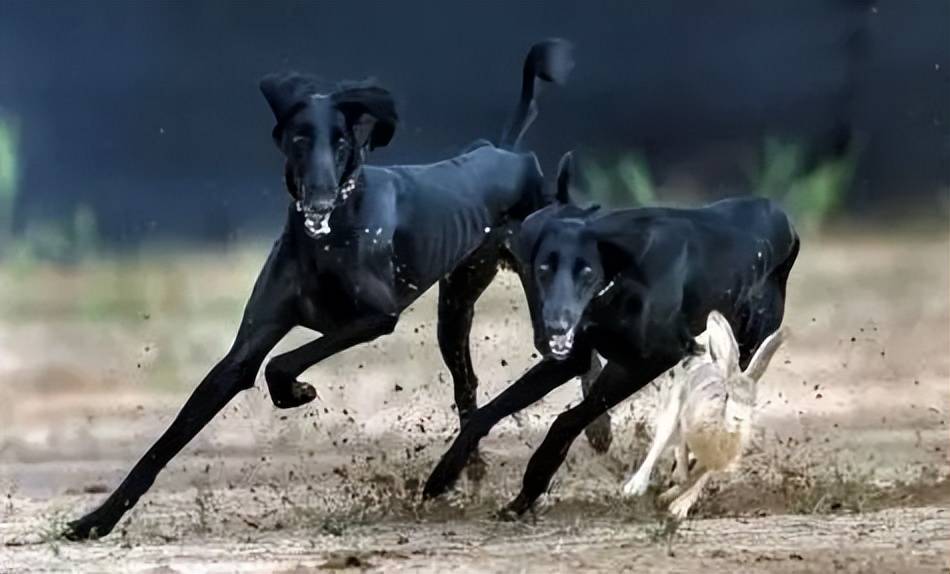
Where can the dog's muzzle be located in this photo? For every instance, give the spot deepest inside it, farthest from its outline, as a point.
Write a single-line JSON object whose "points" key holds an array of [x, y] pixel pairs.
{"points": [[561, 344], [316, 222]]}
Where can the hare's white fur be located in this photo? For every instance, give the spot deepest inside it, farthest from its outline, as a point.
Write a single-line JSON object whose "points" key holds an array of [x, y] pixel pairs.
{"points": [[705, 408]]}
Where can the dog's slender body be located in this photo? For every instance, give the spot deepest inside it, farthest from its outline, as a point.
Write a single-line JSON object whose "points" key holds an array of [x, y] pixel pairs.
{"points": [[361, 244], [636, 285], [706, 407]]}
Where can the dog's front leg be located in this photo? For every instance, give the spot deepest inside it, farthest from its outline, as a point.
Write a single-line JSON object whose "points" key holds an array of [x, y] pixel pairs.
{"points": [[614, 385], [282, 371], [267, 318], [543, 378], [598, 432]]}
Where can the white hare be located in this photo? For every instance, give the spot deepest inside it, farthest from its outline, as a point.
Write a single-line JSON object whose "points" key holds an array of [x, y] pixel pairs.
{"points": [[705, 407]]}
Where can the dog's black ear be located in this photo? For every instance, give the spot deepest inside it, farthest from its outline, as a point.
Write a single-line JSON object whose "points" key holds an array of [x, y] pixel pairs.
{"points": [[620, 245], [525, 242], [286, 92], [370, 111], [565, 174]]}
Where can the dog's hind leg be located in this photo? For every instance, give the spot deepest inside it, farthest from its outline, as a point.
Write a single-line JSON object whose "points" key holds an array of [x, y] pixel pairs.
{"points": [[267, 318], [598, 432], [458, 292]]}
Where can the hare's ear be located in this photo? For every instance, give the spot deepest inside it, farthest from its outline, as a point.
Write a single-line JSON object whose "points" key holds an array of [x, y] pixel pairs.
{"points": [[722, 345], [760, 360]]}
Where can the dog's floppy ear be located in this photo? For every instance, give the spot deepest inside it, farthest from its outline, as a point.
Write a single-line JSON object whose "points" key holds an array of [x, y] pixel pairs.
{"points": [[524, 243], [370, 111], [286, 93], [614, 257]]}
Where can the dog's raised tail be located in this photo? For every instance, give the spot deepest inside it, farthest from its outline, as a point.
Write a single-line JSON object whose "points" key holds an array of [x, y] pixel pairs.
{"points": [[550, 61]]}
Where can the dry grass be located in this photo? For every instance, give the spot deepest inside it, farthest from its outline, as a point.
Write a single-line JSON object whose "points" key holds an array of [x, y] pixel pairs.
{"points": [[95, 359]]}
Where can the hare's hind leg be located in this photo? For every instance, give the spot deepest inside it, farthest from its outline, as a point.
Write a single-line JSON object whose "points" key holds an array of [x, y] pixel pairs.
{"points": [[680, 476], [680, 507]]}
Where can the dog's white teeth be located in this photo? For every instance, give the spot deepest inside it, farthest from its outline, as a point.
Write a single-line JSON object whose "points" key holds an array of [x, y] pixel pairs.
{"points": [[317, 225], [561, 345], [299, 206]]}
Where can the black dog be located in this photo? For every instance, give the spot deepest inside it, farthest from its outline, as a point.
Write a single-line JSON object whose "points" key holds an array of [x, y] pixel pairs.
{"points": [[635, 285], [361, 244]]}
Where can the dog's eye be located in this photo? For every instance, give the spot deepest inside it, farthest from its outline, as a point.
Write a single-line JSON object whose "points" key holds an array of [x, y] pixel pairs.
{"points": [[586, 271], [544, 268], [300, 141]]}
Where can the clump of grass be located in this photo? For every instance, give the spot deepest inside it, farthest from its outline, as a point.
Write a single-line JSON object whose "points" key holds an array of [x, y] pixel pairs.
{"points": [[205, 504], [628, 180], [664, 531], [9, 175], [52, 531], [634, 173], [795, 482], [811, 195], [70, 241], [843, 490]]}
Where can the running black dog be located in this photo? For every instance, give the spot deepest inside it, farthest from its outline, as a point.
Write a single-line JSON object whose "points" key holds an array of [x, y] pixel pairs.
{"points": [[361, 244], [634, 285]]}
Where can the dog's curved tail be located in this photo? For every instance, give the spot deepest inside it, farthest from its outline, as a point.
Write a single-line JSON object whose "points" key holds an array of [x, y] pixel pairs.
{"points": [[550, 61]]}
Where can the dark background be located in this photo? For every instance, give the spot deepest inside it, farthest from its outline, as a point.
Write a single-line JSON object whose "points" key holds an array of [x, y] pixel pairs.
{"points": [[149, 112]]}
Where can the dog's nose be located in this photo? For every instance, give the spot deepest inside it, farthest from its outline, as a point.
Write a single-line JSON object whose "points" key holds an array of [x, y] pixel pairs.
{"points": [[558, 326], [319, 206]]}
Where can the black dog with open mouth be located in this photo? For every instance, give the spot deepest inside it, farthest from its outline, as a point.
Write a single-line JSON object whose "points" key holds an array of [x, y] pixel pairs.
{"points": [[634, 285], [360, 244]]}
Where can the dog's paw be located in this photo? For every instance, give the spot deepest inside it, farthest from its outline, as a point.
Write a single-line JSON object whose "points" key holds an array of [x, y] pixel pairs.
{"points": [[295, 395], [507, 514], [86, 528], [437, 484], [599, 435]]}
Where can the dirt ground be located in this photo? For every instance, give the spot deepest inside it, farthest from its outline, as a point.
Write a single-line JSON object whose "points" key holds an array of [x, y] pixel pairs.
{"points": [[848, 473]]}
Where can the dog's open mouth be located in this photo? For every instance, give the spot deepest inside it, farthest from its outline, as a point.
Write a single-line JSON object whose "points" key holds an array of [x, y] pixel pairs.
{"points": [[317, 223], [561, 345], [314, 222]]}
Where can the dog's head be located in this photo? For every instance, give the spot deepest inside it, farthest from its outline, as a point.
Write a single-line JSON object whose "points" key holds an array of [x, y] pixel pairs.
{"points": [[324, 138], [564, 266]]}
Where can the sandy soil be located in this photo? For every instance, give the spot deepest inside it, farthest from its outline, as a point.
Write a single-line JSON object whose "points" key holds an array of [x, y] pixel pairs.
{"points": [[849, 472]]}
